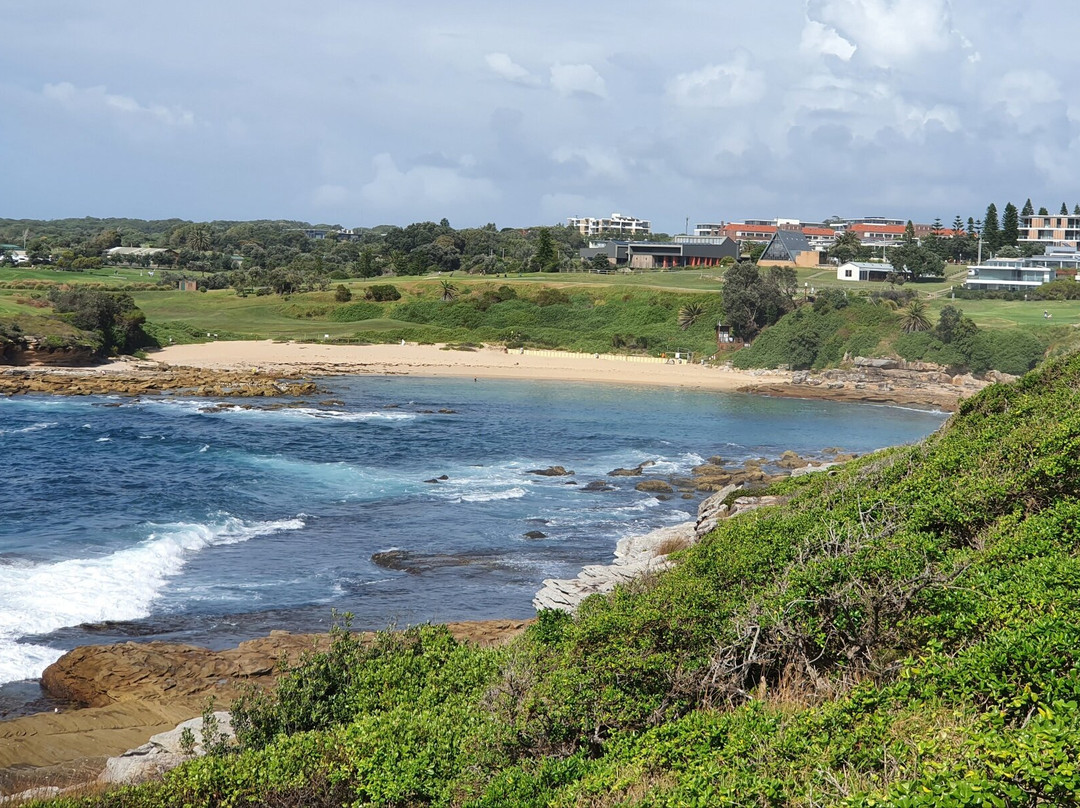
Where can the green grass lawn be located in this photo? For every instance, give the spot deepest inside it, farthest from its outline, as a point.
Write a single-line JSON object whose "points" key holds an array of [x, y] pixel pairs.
{"points": [[109, 275], [1011, 313]]}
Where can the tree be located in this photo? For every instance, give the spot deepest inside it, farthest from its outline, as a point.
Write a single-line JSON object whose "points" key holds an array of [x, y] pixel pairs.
{"points": [[990, 232], [914, 317], [847, 247], [914, 262], [449, 291], [909, 232], [752, 302], [1008, 251], [1027, 210], [1044, 212], [342, 293], [546, 257], [1010, 225], [1064, 209]]}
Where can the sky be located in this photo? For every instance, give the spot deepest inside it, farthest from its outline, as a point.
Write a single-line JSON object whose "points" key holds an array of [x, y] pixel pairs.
{"points": [[361, 113]]}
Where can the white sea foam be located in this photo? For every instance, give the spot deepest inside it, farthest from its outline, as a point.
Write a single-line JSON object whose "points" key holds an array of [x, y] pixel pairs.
{"points": [[104, 440], [204, 448], [39, 598], [32, 428], [491, 496], [195, 407]]}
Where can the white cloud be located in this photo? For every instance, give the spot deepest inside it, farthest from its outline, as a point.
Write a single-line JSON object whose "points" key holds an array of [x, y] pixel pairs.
{"points": [[1023, 91], [98, 99], [600, 162], [821, 39], [888, 31], [577, 79], [718, 86], [502, 65], [423, 188]]}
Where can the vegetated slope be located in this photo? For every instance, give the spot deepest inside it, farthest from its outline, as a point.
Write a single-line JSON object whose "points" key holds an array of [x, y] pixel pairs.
{"points": [[591, 319], [904, 632], [820, 335]]}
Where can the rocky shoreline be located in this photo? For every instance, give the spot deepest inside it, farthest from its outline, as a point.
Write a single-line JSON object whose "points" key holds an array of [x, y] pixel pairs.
{"points": [[893, 382], [120, 695]]}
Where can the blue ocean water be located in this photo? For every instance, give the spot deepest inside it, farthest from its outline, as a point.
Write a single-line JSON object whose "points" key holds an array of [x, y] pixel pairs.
{"points": [[204, 521]]}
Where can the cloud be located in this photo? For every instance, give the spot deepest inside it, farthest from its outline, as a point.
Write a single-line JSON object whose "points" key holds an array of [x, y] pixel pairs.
{"points": [[598, 162], [888, 31], [502, 65], [424, 190], [577, 80], [719, 86], [1022, 92], [98, 99], [821, 39], [331, 196]]}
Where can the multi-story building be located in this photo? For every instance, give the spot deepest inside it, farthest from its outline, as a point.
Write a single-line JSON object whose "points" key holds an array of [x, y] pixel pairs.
{"points": [[662, 255], [1008, 274], [1062, 230], [617, 225]]}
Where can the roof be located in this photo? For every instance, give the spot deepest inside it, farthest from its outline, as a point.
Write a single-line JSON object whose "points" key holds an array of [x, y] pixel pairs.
{"points": [[867, 265], [785, 245]]}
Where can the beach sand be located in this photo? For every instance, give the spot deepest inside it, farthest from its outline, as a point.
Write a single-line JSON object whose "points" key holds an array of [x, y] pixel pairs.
{"points": [[434, 360]]}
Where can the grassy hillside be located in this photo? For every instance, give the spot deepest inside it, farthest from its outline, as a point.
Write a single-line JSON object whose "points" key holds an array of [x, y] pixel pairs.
{"points": [[905, 632]]}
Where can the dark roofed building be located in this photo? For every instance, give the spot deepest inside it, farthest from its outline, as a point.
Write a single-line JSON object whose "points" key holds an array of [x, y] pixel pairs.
{"points": [[789, 248], [661, 254]]}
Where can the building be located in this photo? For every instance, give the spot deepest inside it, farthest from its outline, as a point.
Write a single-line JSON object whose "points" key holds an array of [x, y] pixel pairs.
{"points": [[790, 248], [617, 225], [661, 254], [1008, 275], [863, 271], [1062, 230]]}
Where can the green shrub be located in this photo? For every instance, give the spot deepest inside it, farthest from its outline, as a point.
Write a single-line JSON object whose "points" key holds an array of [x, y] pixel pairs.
{"points": [[382, 292]]}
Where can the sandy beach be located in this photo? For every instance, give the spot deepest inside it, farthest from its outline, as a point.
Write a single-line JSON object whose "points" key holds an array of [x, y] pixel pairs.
{"points": [[437, 361]]}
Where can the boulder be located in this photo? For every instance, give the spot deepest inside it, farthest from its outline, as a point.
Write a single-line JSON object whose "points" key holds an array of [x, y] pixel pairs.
{"points": [[165, 751], [654, 487], [551, 471], [597, 485]]}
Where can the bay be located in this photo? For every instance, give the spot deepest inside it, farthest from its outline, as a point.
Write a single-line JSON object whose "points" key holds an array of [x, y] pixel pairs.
{"points": [[210, 522]]}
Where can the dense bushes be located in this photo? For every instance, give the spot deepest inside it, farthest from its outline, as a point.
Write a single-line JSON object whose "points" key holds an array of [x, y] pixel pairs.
{"points": [[820, 335], [114, 317]]}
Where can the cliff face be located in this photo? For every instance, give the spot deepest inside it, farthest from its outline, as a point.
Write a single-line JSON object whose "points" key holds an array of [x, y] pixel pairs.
{"points": [[31, 351]]}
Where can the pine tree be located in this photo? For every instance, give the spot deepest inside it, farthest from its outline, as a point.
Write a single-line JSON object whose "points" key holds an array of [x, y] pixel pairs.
{"points": [[957, 225], [909, 232], [1028, 209], [1044, 212], [1010, 226], [1064, 209], [971, 228], [991, 232]]}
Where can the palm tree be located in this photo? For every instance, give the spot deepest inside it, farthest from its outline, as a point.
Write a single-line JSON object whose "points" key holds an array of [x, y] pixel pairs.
{"points": [[449, 291], [689, 314], [915, 317]]}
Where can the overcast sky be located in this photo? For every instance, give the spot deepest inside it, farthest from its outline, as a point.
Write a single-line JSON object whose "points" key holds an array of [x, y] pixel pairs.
{"points": [[362, 113]]}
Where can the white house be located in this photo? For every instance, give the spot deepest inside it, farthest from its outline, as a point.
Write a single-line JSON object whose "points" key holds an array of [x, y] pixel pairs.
{"points": [[863, 271]]}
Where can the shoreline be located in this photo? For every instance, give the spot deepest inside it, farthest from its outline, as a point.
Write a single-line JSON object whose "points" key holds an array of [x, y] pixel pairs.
{"points": [[249, 368]]}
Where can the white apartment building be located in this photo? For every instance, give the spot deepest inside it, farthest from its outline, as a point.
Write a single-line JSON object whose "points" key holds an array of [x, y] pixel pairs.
{"points": [[618, 225]]}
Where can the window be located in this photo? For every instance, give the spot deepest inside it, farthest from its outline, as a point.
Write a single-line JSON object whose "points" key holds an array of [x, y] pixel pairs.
{"points": [[847, 273]]}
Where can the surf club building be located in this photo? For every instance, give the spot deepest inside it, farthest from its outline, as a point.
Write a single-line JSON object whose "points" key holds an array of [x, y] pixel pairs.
{"points": [[663, 254]]}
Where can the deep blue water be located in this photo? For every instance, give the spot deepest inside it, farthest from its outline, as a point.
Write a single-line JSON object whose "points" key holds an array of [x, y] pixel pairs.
{"points": [[156, 518]]}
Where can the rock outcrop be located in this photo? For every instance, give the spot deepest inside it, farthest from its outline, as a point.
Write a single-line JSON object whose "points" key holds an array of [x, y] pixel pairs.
{"points": [[882, 381], [166, 750], [137, 378]]}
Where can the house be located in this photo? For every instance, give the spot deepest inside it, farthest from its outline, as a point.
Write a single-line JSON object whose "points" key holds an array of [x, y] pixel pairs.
{"points": [[789, 248], [189, 286], [863, 271], [1008, 274]]}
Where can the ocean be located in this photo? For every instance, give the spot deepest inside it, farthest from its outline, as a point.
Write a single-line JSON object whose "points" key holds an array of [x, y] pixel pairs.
{"points": [[214, 521]]}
